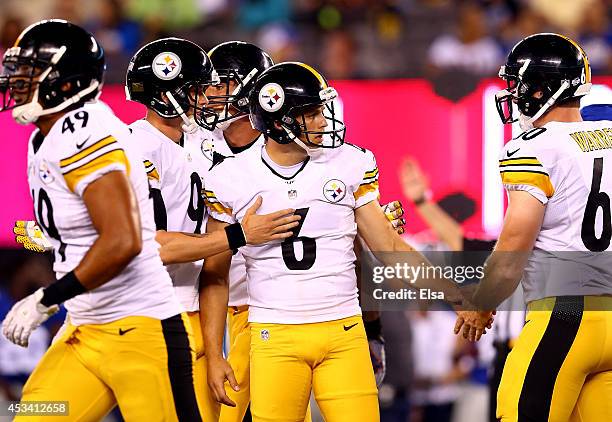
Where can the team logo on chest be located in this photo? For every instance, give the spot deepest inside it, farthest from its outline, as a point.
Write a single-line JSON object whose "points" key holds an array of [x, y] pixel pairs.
{"points": [[271, 97], [166, 66], [45, 173], [208, 147], [334, 190]]}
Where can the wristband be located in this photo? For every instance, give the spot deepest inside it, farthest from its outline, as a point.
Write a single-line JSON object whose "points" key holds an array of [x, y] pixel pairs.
{"points": [[235, 236], [63, 289], [373, 329], [420, 201]]}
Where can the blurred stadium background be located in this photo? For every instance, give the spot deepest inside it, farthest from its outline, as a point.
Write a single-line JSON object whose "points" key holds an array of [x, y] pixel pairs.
{"points": [[417, 79]]}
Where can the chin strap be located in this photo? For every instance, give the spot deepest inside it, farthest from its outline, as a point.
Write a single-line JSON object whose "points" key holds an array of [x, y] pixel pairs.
{"points": [[312, 152], [189, 125], [526, 123]]}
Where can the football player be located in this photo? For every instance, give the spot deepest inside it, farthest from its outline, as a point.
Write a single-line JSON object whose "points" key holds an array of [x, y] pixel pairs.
{"points": [[169, 76], [556, 238], [305, 320], [238, 65], [127, 340]]}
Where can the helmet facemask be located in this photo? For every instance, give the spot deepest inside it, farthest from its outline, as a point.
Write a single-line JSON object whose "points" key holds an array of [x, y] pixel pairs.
{"points": [[230, 99], [531, 100], [27, 78], [295, 124]]}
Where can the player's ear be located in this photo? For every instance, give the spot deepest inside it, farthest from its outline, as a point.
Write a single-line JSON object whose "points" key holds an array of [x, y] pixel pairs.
{"points": [[277, 125]]}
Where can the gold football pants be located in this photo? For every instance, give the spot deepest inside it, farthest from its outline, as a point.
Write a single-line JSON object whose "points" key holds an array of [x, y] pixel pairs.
{"points": [[238, 357], [330, 358], [560, 368], [143, 364]]}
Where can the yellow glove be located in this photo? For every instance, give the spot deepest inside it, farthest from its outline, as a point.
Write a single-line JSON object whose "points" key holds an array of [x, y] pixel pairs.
{"points": [[31, 237], [394, 212]]}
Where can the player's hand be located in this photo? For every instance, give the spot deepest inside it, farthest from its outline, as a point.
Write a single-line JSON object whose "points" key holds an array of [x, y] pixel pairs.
{"points": [[473, 324], [260, 229], [379, 360], [218, 371], [31, 237], [394, 212], [25, 316], [413, 181]]}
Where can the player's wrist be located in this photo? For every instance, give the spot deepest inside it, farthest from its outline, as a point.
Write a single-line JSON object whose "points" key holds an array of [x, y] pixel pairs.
{"points": [[236, 236], [422, 199], [63, 289]]}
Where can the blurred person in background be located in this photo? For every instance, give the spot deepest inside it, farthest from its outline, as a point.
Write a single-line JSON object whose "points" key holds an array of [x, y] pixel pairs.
{"points": [[23, 275], [596, 37], [470, 48], [69, 10], [117, 33], [338, 57], [11, 28], [438, 363], [258, 13], [566, 15]]}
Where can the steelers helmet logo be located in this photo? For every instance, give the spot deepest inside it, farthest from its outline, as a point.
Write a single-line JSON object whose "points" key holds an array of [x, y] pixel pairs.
{"points": [[166, 66], [271, 97], [334, 190]]}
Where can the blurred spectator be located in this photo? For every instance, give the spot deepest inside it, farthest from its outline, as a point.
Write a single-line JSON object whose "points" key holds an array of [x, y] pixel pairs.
{"points": [[163, 15], [445, 226], [596, 40], [25, 274], [338, 56], [116, 33], [69, 10], [470, 48], [438, 364], [279, 41], [567, 15], [258, 13], [11, 28], [526, 22]]}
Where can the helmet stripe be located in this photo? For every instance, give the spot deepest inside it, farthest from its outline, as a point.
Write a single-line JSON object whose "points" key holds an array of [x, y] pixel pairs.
{"points": [[314, 72], [587, 66]]}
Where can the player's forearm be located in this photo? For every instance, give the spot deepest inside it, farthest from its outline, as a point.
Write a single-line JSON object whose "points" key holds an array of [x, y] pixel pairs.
{"points": [[178, 247], [213, 311], [445, 228], [502, 274], [408, 256]]}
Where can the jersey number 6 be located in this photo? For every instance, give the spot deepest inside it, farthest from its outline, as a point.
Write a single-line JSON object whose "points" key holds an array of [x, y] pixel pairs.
{"points": [[308, 244], [597, 200]]}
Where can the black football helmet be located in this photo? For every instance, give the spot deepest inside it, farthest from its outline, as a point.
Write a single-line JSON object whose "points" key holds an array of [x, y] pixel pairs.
{"points": [[53, 65], [551, 64], [169, 76], [241, 63], [282, 95]]}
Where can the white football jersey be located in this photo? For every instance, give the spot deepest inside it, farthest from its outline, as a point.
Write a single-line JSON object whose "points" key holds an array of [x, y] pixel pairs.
{"points": [[178, 174], [568, 167], [80, 148], [309, 277], [214, 147]]}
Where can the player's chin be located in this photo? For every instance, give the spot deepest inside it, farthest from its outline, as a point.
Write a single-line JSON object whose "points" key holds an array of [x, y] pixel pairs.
{"points": [[316, 141]]}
